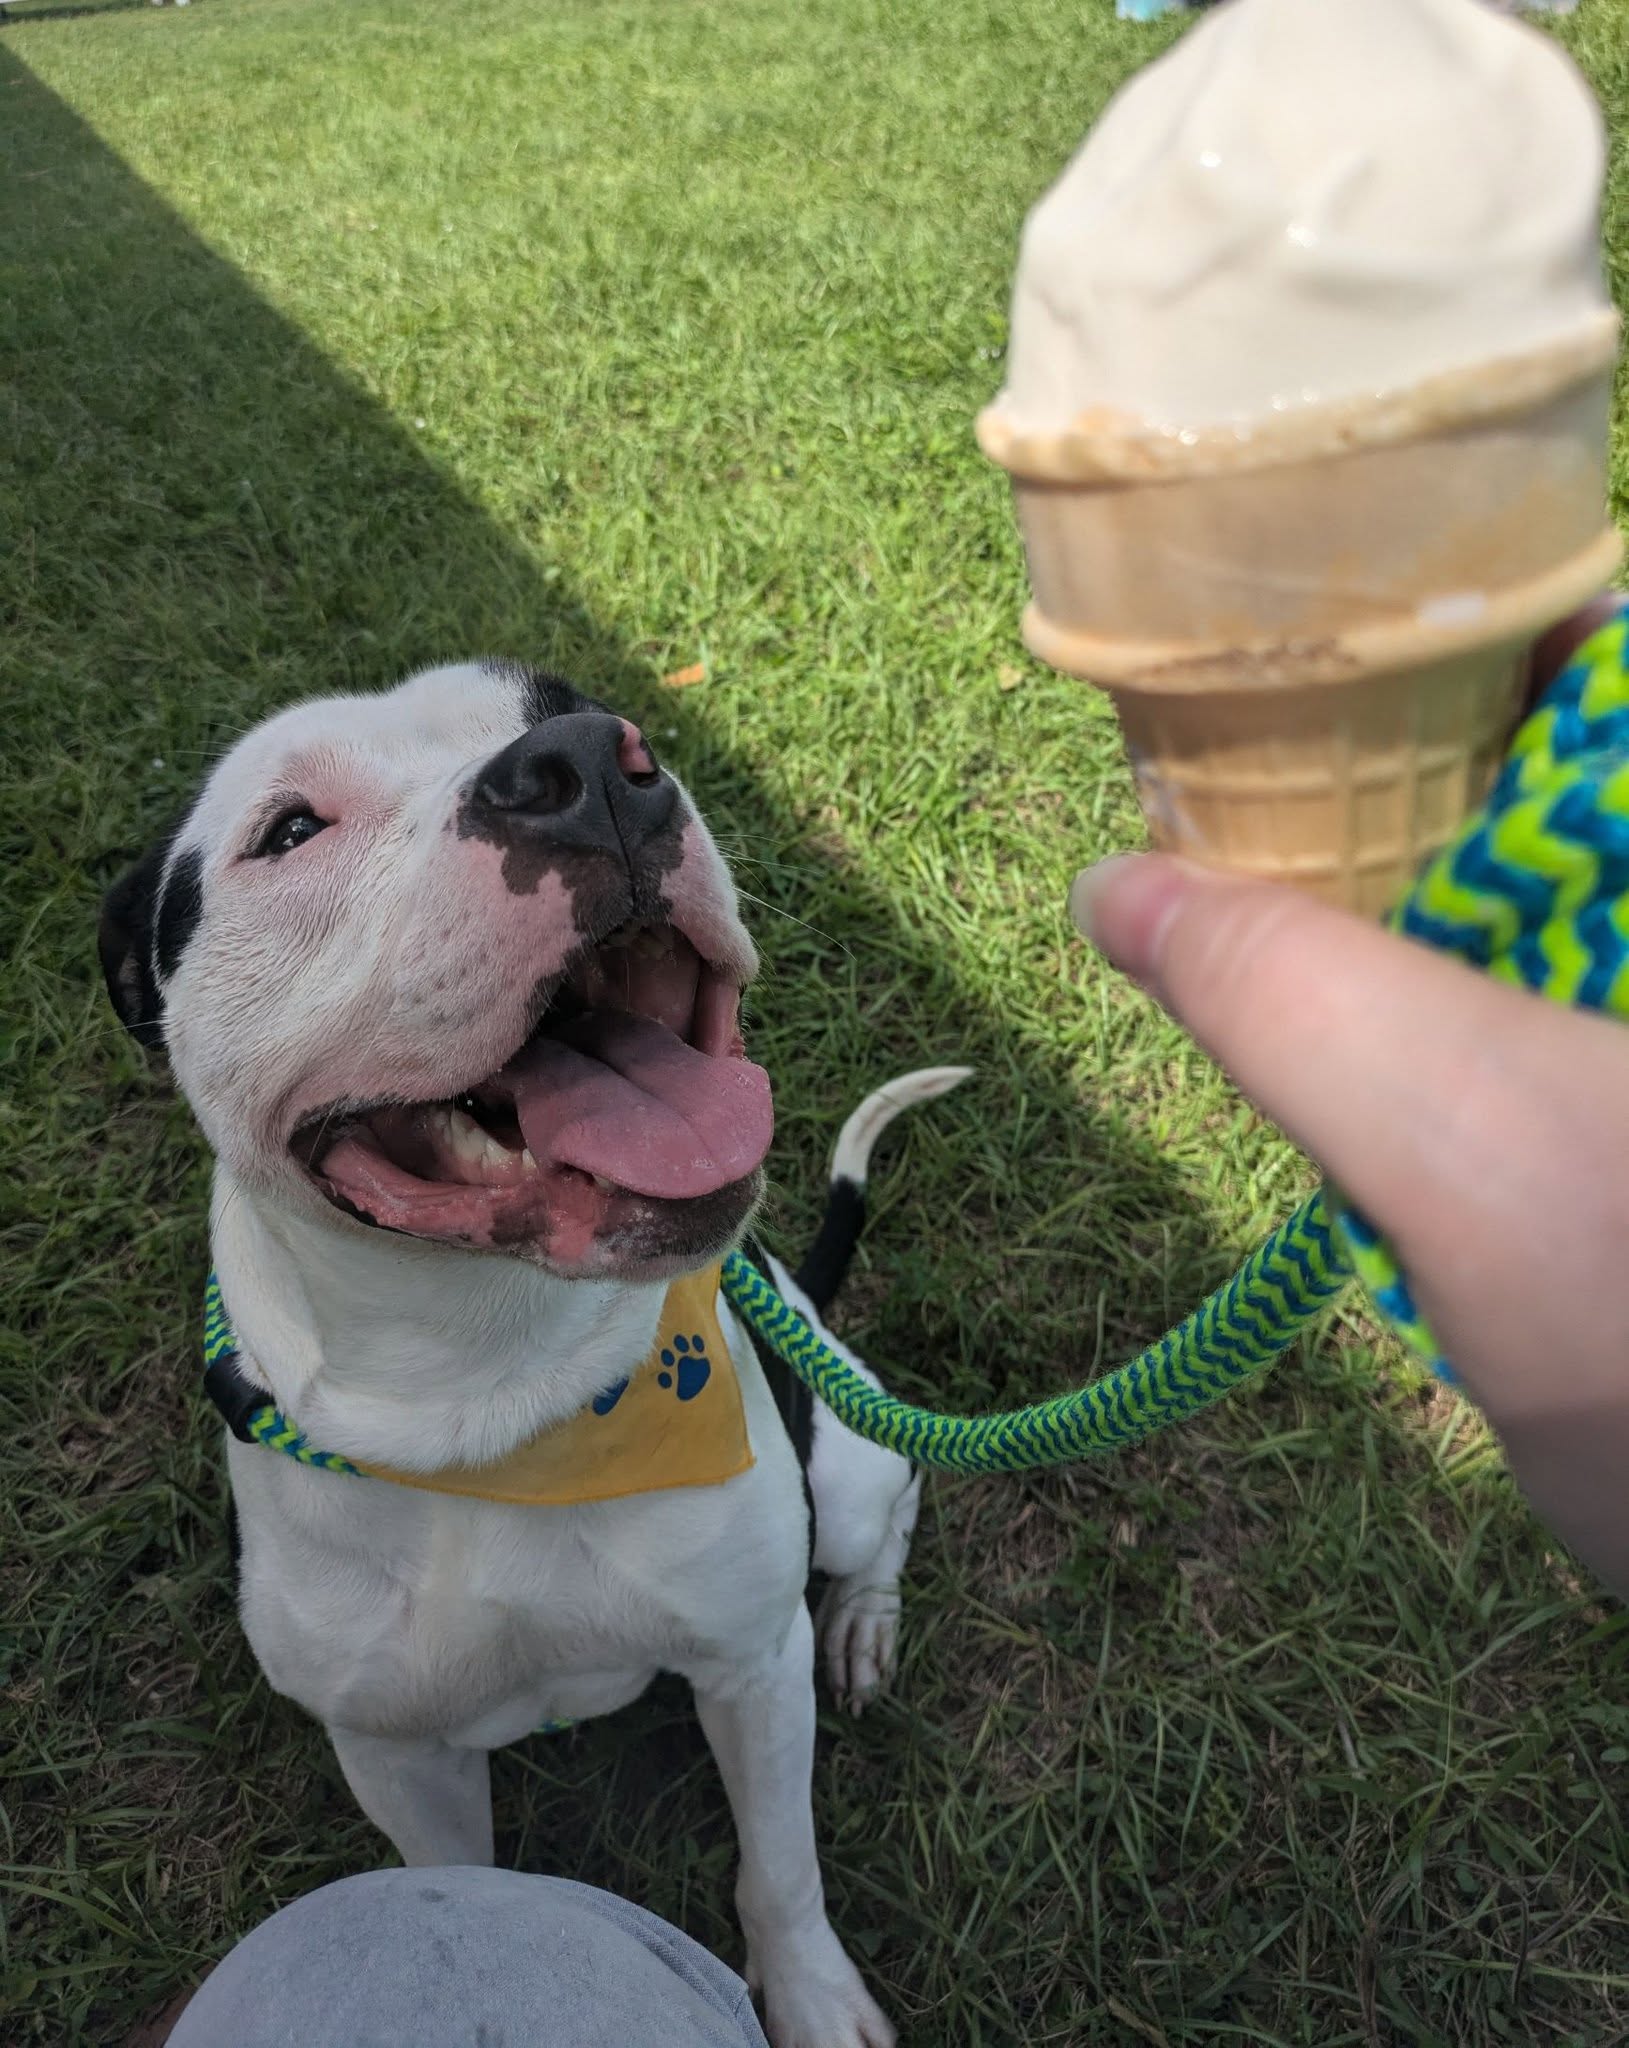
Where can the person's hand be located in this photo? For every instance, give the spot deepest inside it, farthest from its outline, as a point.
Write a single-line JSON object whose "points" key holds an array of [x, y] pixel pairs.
{"points": [[1483, 1129]]}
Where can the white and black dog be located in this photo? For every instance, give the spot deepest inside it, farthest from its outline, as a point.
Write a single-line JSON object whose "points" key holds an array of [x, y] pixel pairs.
{"points": [[451, 977]]}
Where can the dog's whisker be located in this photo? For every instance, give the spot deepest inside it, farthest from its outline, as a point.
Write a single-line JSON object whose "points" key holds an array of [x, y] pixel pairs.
{"points": [[802, 923], [775, 867], [226, 1207]]}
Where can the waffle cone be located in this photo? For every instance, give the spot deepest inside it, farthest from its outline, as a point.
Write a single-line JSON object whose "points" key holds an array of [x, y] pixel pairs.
{"points": [[1315, 635]]}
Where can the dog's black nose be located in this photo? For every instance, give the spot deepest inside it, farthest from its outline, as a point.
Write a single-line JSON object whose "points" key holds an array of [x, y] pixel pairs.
{"points": [[584, 780]]}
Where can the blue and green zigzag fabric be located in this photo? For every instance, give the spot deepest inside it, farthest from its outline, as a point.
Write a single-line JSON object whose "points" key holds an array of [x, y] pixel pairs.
{"points": [[1534, 891]]}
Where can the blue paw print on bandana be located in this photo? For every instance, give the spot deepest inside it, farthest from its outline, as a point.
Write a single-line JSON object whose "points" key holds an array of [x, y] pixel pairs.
{"points": [[684, 1361], [687, 1364]]}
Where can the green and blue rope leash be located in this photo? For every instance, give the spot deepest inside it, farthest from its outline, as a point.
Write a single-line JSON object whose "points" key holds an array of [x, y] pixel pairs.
{"points": [[1535, 891]]}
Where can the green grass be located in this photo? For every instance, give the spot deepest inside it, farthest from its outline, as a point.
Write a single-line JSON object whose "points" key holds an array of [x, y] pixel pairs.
{"points": [[624, 334]]}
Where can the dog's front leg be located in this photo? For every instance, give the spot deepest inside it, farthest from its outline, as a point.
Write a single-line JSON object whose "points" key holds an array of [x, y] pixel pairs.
{"points": [[760, 1722], [432, 1800]]}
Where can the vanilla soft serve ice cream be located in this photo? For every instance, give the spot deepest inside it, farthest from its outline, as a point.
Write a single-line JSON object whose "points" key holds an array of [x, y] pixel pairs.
{"points": [[1308, 201], [1305, 416]]}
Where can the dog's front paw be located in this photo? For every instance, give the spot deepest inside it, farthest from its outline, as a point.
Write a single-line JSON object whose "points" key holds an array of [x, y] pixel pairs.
{"points": [[859, 1630], [818, 2001]]}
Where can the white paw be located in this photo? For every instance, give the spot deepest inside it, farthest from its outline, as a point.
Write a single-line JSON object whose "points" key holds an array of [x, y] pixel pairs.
{"points": [[859, 1628], [813, 1998]]}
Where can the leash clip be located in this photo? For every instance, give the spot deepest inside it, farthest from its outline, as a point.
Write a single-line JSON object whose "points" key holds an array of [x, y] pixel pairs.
{"points": [[235, 1395]]}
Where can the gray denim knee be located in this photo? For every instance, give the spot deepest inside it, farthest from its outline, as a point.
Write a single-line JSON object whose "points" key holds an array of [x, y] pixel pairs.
{"points": [[467, 1958]]}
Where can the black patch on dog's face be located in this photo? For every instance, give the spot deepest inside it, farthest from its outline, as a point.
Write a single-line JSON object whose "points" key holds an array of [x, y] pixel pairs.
{"points": [[147, 921], [687, 1231], [543, 694], [180, 905], [604, 893]]}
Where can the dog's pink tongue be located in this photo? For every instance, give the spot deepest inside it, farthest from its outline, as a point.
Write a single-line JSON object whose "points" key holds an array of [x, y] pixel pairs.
{"points": [[626, 1099]]}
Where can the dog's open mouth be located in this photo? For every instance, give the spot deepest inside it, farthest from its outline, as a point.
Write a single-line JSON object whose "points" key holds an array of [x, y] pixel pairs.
{"points": [[632, 1091]]}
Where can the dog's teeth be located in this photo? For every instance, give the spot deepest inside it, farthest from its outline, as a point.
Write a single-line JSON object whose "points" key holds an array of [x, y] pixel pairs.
{"points": [[606, 1187], [527, 1160], [465, 1138], [471, 1146]]}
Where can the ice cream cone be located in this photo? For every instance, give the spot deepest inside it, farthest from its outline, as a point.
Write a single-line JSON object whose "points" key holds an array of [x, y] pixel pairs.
{"points": [[1314, 629]]}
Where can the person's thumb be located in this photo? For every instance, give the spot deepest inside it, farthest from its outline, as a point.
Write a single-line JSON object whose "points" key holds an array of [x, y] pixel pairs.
{"points": [[1414, 1081]]}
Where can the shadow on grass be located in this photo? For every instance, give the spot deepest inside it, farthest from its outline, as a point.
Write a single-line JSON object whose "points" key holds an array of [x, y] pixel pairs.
{"points": [[12, 11], [215, 521]]}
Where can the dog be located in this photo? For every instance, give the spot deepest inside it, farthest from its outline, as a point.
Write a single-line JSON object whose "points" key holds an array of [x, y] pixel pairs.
{"points": [[451, 977]]}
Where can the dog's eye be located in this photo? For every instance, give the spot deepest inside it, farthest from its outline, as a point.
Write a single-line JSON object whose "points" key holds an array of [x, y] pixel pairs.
{"points": [[290, 830]]}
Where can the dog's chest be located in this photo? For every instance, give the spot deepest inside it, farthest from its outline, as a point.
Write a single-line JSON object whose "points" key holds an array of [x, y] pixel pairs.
{"points": [[512, 1623], [403, 1611], [551, 1587]]}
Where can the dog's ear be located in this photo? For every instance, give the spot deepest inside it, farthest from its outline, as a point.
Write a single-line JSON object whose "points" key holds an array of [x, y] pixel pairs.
{"points": [[130, 940]]}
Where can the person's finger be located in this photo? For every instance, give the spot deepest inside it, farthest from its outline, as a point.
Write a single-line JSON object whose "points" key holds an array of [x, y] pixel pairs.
{"points": [[1444, 1104]]}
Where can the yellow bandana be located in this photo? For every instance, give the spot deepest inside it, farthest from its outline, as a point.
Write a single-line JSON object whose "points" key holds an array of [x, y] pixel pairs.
{"points": [[678, 1421]]}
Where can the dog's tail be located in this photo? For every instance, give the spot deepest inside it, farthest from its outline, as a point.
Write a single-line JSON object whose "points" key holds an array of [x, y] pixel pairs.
{"points": [[827, 1259]]}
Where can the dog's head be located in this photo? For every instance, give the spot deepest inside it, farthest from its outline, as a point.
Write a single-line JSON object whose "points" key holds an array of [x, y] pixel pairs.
{"points": [[458, 960]]}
